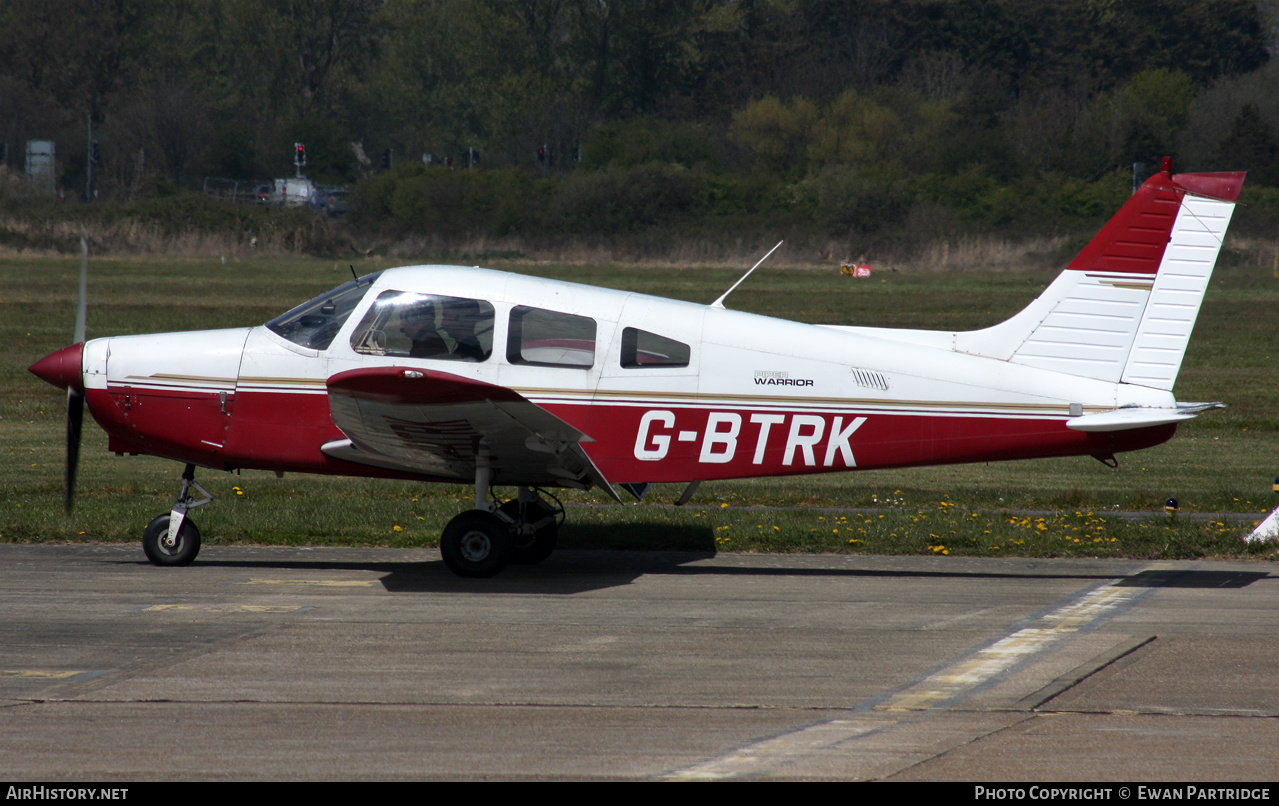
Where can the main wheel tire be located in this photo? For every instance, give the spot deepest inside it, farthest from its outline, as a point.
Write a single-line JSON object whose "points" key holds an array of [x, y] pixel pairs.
{"points": [[531, 549], [476, 544], [183, 553]]}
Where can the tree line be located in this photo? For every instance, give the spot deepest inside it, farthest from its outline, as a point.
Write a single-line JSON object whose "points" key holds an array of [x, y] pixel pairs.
{"points": [[604, 115]]}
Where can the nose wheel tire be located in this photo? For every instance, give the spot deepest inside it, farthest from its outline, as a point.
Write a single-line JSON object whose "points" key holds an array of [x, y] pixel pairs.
{"points": [[182, 552], [476, 544]]}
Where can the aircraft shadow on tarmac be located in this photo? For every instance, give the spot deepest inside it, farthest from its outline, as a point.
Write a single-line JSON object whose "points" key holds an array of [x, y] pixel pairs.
{"points": [[578, 571], [1192, 579]]}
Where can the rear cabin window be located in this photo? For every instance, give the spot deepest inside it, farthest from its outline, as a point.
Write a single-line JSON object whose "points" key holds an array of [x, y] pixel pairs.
{"points": [[643, 349], [543, 338], [401, 323]]}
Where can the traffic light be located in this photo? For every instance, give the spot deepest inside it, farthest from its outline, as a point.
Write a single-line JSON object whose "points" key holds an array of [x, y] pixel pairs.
{"points": [[299, 154], [541, 154], [94, 156]]}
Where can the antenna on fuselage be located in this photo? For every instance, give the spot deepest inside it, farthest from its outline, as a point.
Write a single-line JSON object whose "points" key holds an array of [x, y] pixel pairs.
{"points": [[719, 303]]}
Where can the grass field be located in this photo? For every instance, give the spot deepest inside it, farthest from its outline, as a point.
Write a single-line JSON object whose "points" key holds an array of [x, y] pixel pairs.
{"points": [[1221, 462]]}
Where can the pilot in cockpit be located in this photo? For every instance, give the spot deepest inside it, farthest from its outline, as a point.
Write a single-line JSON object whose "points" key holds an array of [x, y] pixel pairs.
{"points": [[418, 323], [459, 321], [454, 338]]}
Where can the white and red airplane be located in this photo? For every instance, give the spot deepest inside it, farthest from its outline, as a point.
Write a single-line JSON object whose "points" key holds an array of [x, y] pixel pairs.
{"points": [[453, 374]]}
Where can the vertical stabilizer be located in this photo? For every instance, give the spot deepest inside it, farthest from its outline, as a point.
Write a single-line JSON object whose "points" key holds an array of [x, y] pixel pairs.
{"points": [[1124, 308]]}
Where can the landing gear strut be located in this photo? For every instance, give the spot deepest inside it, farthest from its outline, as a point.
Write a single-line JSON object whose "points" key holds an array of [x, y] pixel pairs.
{"points": [[481, 542], [172, 538]]}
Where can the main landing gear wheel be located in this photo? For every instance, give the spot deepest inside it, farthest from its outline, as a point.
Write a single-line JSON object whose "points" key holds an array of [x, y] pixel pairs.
{"points": [[182, 552], [476, 544], [533, 547]]}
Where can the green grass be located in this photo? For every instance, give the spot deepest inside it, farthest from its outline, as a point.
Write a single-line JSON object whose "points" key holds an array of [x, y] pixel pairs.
{"points": [[1223, 461]]}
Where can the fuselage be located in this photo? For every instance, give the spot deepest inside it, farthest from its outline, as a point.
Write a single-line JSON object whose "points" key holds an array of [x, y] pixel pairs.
{"points": [[708, 394]]}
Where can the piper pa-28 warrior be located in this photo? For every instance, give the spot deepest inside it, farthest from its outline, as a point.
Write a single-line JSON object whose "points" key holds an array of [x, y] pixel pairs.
{"points": [[465, 375]]}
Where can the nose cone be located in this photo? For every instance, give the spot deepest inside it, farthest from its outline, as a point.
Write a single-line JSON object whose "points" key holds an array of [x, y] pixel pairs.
{"points": [[63, 369]]}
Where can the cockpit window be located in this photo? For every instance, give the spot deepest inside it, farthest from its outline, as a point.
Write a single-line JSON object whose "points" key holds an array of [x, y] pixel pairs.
{"points": [[402, 323], [313, 324]]}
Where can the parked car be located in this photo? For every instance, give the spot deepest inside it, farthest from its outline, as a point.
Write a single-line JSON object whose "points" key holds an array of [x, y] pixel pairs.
{"points": [[335, 202], [331, 201]]}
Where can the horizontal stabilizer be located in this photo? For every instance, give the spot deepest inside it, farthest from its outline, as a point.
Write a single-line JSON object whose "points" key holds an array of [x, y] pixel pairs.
{"points": [[1137, 417]]}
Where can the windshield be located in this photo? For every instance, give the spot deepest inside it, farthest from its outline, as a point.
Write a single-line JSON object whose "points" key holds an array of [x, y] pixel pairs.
{"points": [[313, 324]]}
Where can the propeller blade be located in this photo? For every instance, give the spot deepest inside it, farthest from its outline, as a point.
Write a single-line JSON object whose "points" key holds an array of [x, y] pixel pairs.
{"points": [[75, 422], [75, 399]]}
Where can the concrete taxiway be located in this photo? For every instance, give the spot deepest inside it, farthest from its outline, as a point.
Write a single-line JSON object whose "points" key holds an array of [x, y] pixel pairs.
{"points": [[285, 663]]}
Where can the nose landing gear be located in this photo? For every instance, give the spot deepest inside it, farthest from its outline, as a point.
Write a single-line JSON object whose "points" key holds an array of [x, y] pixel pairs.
{"points": [[172, 538]]}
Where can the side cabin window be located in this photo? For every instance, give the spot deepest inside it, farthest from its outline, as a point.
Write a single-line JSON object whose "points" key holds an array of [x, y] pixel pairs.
{"points": [[543, 338], [402, 323], [643, 349], [313, 324]]}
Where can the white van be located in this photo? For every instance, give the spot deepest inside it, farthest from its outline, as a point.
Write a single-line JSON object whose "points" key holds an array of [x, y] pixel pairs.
{"points": [[292, 192]]}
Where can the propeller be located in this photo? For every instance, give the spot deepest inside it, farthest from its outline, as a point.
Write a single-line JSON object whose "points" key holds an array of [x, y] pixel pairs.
{"points": [[75, 392]]}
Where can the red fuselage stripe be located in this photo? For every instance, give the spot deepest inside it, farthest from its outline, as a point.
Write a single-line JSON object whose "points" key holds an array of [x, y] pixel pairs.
{"points": [[632, 443]]}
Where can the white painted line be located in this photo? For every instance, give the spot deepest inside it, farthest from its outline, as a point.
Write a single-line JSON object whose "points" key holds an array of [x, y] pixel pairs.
{"points": [[934, 693], [962, 677]]}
